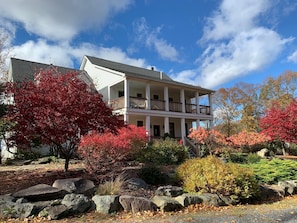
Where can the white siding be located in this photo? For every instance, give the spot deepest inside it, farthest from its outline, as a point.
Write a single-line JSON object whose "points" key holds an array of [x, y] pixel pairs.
{"points": [[101, 76]]}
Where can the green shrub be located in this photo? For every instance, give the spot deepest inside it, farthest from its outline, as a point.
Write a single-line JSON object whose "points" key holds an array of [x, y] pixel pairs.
{"points": [[153, 175], [167, 151], [211, 175], [272, 171], [253, 158]]}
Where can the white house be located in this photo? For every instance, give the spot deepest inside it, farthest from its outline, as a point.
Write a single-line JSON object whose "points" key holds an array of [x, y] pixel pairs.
{"points": [[143, 97], [149, 98]]}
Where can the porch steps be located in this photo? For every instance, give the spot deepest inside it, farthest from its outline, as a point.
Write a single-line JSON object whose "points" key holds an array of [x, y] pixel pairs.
{"points": [[194, 150]]}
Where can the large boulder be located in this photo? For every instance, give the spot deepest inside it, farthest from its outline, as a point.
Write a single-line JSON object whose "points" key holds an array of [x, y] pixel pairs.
{"points": [[40, 192], [107, 204], [75, 185], [289, 186], [166, 203], [188, 199], [137, 204], [55, 212], [77, 202], [16, 210]]}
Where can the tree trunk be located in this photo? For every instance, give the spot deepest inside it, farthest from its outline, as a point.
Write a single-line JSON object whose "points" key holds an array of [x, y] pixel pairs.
{"points": [[66, 166]]}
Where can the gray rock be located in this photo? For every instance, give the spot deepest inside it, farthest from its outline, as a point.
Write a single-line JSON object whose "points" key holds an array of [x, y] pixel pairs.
{"points": [[78, 202], [7, 198], [289, 186], [188, 199], [137, 204], [107, 204], [212, 199], [271, 191], [166, 203], [136, 183], [171, 191], [263, 153], [40, 192], [75, 185], [14, 210], [55, 212]]}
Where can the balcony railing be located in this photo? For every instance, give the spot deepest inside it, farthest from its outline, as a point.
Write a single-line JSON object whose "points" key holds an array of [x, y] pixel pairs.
{"points": [[157, 105], [141, 103], [204, 109], [137, 102], [191, 108], [117, 103], [175, 106]]}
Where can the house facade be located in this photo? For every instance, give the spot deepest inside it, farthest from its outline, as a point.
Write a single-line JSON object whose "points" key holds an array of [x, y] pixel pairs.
{"points": [[149, 98]]}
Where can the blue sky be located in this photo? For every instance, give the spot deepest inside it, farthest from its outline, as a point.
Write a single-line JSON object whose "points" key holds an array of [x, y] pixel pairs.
{"points": [[210, 43]]}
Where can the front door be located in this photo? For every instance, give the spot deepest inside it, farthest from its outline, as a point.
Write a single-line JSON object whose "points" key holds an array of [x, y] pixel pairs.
{"points": [[156, 131], [171, 130]]}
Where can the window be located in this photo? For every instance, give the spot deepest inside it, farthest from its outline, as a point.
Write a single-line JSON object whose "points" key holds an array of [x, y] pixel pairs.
{"points": [[139, 95], [121, 93], [156, 97], [139, 123], [170, 99]]}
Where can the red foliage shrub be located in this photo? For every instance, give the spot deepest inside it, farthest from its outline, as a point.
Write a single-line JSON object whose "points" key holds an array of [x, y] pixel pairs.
{"points": [[100, 150]]}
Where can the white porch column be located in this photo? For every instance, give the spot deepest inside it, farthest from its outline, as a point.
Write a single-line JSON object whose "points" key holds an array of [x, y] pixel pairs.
{"points": [[197, 123], [166, 125], [166, 98], [148, 126], [210, 103], [183, 128], [126, 93], [182, 99], [126, 118], [197, 103], [148, 96]]}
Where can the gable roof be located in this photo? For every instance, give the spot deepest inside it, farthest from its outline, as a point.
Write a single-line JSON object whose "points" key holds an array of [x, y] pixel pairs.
{"points": [[132, 71], [22, 70], [128, 69]]}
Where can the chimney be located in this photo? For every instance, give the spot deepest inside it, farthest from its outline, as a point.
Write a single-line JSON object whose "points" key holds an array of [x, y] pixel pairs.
{"points": [[152, 68], [161, 75]]}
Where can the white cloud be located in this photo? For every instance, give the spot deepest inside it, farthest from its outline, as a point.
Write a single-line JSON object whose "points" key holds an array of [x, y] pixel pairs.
{"points": [[151, 38], [293, 57], [63, 54], [236, 44], [60, 20]]}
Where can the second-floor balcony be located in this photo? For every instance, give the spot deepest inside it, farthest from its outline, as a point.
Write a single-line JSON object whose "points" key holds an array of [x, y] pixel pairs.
{"points": [[141, 103]]}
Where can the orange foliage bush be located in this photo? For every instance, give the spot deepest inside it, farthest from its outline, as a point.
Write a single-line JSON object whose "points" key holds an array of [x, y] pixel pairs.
{"points": [[248, 139], [212, 139]]}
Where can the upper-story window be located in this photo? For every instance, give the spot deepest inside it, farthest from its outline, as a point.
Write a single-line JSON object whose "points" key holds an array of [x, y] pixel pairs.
{"points": [[121, 93], [139, 95], [156, 97]]}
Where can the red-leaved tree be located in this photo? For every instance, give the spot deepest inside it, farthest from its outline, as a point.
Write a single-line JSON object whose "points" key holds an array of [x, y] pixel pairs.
{"points": [[281, 123], [100, 150], [57, 109]]}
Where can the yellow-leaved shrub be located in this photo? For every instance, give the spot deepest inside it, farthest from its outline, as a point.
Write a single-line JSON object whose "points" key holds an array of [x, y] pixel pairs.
{"points": [[211, 175]]}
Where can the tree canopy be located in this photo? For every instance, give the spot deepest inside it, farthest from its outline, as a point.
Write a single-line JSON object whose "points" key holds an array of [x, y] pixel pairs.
{"points": [[281, 123], [57, 109]]}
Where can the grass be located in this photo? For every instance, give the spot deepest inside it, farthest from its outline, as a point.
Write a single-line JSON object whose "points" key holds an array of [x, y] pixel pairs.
{"points": [[112, 187]]}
